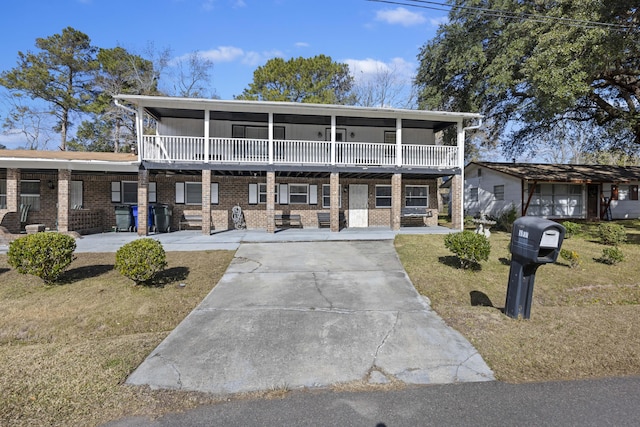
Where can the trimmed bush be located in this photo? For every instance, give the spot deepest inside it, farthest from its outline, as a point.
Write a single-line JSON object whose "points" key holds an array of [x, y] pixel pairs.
{"points": [[611, 234], [141, 259], [572, 228], [469, 247], [612, 255], [45, 255], [572, 257], [506, 219]]}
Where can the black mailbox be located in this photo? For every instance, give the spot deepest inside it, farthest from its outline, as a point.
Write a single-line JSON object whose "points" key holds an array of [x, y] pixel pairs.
{"points": [[534, 241]]}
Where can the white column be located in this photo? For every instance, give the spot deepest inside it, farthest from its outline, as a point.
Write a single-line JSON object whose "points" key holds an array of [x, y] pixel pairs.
{"points": [[207, 116], [270, 138], [460, 143], [140, 132], [333, 140], [399, 142]]}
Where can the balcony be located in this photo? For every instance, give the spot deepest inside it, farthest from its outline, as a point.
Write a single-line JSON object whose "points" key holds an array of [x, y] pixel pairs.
{"points": [[193, 150]]}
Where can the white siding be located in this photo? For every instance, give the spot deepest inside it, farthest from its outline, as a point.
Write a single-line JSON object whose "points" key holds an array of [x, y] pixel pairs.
{"points": [[486, 200], [622, 209]]}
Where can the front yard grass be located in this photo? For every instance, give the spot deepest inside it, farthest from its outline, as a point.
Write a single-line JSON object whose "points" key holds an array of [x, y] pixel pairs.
{"points": [[65, 350], [584, 321]]}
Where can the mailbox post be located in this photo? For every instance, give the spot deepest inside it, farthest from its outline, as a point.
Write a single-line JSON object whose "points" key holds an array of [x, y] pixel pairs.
{"points": [[534, 241]]}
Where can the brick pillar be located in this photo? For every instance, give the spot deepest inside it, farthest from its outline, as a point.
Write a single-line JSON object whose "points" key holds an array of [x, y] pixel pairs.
{"points": [[271, 202], [12, 219], [206, 202], [64, 190], [396, 200], [456, 202], [143, 202], [334, 182]]}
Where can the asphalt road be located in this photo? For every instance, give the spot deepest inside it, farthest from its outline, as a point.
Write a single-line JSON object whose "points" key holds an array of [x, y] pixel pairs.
{"points": [[605, 402]]}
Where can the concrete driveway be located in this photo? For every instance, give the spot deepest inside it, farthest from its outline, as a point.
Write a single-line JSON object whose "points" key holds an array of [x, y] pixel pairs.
{"points": [[311, 314]]}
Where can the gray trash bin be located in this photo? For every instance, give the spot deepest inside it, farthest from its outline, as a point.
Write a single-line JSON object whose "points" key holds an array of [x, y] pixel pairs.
{"points": [[124, 219], [534, 241], [162, 218]]}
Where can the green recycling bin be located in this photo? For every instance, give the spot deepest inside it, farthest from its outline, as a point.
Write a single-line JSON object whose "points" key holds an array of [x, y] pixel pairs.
{"points": [[162, 218]]}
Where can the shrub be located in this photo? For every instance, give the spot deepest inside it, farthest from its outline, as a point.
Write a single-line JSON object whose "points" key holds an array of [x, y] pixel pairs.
{"points": [[611, 234], [469, 247], [141, 259], [612, 255], [45, 255], [572, 228], [505, 221], [572, 257]]}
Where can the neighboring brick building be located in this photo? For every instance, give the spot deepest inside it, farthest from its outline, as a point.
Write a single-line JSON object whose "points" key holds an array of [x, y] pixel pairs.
{"points": [[369, 164]]}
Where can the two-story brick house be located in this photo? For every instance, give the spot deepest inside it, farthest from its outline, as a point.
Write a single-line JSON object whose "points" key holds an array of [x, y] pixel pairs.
{"points": [[269, 158]]}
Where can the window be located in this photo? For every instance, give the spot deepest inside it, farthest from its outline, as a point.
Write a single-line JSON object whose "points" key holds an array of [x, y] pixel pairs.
{"points": [[390, 137], [75, 199], [628, 192], [383, 196], [555, 200], [473, 194], [3, 194], [256, 132], [193, 193], [30, 194], [326, 195], [190, 193], [498, 192], [130, 192], [416, 196], [298, 194], [262, 193]]}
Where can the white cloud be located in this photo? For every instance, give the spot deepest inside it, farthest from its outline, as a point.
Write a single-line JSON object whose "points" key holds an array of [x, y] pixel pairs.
{"points": [[239, 3], [363, 69], [259, 58], [302, 44], [233, 54], [400, 16], [436, 22], [222, 54]]}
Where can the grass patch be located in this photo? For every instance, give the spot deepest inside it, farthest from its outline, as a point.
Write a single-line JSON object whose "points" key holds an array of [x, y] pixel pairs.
{"points": [[65, 350], [583, 320]]}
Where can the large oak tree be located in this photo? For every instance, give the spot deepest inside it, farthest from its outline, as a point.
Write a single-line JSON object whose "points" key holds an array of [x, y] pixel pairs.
{"points": [[530, 65]]}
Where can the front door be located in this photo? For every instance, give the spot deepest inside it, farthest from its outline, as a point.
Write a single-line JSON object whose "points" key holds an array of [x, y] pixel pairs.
{"points": [[358, 205], [593, 196]]}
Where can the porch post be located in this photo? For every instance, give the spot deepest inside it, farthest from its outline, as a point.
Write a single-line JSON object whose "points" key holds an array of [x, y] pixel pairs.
{"points": [[396, 200], [333, 140], [334, 183], [206, 202], [207, 131], [456, 202], [140, 133], [271, 201], [398, 142], [12, 221], [270, 138], [64, 189], [143, 202]]}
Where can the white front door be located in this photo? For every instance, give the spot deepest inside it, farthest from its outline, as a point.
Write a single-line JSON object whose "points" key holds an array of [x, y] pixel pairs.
{"points": [[358, 205]]}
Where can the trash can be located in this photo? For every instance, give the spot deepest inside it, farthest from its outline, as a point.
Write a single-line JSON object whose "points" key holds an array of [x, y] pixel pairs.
{"points": [[134, 214], [124, 219], [162, 217], [534, 241]]}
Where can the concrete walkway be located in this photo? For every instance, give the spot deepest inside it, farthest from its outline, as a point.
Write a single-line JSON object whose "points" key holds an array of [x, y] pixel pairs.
{"points": [[310, 314]]}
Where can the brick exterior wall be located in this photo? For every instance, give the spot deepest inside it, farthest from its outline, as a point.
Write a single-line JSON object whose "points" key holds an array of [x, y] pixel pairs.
{"points": [[98, 213]]}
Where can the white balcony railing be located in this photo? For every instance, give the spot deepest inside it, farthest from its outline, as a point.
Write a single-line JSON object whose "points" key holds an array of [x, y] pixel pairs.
{"points": [[180, 149]]}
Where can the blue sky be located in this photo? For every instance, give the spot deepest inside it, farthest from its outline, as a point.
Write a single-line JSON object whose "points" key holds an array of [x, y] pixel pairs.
{"points": [[237, 35]]}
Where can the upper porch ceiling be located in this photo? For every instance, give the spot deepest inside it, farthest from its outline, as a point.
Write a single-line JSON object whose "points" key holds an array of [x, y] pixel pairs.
{"points": [[300, 113]]}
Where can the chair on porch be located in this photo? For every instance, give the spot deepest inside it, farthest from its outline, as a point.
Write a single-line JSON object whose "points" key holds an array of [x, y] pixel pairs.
{"points": [[24, 213]]}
